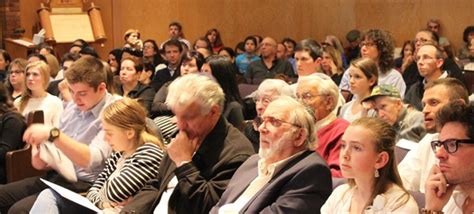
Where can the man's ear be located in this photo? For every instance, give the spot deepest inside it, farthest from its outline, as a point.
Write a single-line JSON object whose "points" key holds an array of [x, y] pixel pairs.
{"points": [[439, 63], [102, 86], [300, 136], [215, 110]]}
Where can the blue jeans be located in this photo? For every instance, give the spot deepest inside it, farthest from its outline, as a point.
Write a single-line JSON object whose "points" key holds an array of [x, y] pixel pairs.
{"points": [[49, 201]]}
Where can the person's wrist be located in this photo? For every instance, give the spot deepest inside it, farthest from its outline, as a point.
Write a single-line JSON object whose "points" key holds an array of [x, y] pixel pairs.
{"points": [[430, 211]]}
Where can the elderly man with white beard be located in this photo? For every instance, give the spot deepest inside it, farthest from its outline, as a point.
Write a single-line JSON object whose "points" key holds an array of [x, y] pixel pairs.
{"points": [[286, 176]]}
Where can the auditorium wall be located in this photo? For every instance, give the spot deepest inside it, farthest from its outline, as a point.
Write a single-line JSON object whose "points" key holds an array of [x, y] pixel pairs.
{"points": [[298, 19]]}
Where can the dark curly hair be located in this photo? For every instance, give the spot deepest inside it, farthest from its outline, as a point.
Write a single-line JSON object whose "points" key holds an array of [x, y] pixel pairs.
{"points": [[457, 111], [384, 42]]}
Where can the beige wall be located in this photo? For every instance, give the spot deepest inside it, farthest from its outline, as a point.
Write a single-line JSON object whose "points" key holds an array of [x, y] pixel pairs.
{"points": [[276, 18]]}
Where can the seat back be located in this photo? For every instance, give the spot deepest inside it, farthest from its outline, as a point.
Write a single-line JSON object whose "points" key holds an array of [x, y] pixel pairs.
{"points": [[18, 163]]}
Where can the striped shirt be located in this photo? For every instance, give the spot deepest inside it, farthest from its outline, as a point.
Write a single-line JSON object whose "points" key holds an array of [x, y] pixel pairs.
{"points": [[135, 171]]}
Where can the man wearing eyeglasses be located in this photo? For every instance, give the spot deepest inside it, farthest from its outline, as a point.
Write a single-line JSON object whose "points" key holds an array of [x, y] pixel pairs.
{"points": [[454, 150], [321, 95], [411, 74], [285, 176], [429, 59], [414, 168]]}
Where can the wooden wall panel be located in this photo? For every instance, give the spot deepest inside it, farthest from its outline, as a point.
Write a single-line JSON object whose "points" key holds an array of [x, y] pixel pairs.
{"points": [[298, 19], [295, 18]]}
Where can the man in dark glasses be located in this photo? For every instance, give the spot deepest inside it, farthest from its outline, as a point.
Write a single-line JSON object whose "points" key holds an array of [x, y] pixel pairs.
{"points": [[454, 150]]}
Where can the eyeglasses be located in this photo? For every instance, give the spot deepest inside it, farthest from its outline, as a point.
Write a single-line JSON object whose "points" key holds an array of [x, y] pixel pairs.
{"points": [[308, 96], [263, 100], [421, 40], [450, 145], [367, 44], [273, 121], [423, 58]]}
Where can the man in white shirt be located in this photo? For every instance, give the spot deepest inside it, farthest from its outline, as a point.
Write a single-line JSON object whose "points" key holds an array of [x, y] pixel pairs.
{"points": [[455, 153], [413, 168], [286, 176]]}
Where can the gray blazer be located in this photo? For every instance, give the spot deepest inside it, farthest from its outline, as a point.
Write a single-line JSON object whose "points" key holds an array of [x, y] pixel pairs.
{"points": [[302, 186]]}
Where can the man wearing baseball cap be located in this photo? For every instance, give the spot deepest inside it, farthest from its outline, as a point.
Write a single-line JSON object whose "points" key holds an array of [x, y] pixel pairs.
{"points": [[387, 102]]}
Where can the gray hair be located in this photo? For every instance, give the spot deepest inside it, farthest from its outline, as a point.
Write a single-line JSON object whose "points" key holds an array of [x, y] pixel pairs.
{"points": [[195, 88], [276, 86], [325, 85], [298, 115]]}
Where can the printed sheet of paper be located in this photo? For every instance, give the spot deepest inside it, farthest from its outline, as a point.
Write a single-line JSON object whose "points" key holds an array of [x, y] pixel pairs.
{"points": [[72, 196]]}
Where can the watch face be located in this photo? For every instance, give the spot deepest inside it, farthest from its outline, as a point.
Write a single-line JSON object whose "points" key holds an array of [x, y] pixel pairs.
{"points": [[55, 132]]}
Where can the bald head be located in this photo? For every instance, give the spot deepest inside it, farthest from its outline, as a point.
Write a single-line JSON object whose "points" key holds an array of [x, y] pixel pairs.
{"points": [[268, 48]]}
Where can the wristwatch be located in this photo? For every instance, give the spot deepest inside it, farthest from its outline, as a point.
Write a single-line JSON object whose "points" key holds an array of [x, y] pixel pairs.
{"points": [[426, 211], [54, 134]]}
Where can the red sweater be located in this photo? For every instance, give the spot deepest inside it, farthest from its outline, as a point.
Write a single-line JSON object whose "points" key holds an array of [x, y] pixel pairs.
{"points": [[329, 144]]}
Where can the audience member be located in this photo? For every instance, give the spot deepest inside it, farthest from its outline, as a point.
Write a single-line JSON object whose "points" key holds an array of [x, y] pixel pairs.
{"points": [[240, 48], [66, 62], [201, 159], [268, 90], [84, 148], [130, 72], [225, 74], [429, 60], [173, 51], [363, 74], [34, 57], [90, 51], [35, 97], [114, 59], [16, 79], [202, 42], [268, 66], [286, 176], [53, 87], [175, 31], [352, 50], [468, 63], [331, 64], [151, 53], [5, 60], [132, 40], [411, 75], [406, 56], [368, 160], [449, 183], [334, 42], [387, 103], [434, 25], [77, 46], [290, 45], [321, 96], [228, 53], [414, 168], [243, 60], [135, 160], [147, 73], [191, 62], [281, 51], [378, 45], [11, 130], [53, 64], [214, 38], [467, 35]]}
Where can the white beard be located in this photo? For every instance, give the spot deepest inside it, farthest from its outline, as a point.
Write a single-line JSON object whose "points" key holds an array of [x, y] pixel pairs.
{"points": [[274, 147]]}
